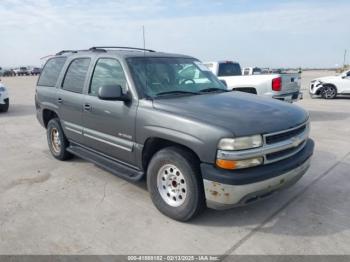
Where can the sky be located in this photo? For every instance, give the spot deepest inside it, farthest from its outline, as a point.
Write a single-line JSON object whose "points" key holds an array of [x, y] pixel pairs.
{"points": [[308, 33]]}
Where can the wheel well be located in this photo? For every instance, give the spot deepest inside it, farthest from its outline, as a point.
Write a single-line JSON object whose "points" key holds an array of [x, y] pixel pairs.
{"points": [[319, 91], [153, 145], [48, 115]]}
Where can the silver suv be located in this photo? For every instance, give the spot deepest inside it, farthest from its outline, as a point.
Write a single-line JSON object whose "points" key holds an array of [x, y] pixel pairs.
{"points": [[140, 113]]}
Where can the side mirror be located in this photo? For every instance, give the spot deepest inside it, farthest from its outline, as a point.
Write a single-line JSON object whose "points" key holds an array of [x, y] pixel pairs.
{"points": [[112, 92]]}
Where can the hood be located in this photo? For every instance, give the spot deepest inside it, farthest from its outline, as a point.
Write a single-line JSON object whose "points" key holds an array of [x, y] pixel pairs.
{"points": [[241, 113], [327, 78]]}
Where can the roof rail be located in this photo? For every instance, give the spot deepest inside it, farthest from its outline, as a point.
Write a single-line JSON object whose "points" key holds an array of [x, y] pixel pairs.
{"points": [[96, 48], [66, 51]]}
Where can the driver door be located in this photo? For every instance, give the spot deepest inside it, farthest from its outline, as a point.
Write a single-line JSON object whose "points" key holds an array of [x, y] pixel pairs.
{"points": [[109, 126]]}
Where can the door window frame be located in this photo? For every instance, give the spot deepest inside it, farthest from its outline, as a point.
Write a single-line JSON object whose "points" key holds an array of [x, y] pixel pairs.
{"points": [[93, 71], [66, 68]]}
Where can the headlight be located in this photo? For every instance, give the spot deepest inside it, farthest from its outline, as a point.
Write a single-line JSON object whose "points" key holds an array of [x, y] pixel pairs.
{"points": [[237, 164], [240, 143]]}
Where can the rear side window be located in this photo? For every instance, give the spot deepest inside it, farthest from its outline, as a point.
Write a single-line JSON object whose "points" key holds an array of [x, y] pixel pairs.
{"points": [[51, 71], [229, 69], [76, 74]]}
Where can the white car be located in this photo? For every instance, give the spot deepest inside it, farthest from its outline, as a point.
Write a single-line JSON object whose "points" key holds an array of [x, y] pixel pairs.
{"points": [[331, 86], [285, 87], [4, 99]]}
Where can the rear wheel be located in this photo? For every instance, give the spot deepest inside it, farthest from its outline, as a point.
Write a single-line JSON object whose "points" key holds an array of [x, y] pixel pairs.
{"points": [[57, 141], [175, 184], [329, 92]]}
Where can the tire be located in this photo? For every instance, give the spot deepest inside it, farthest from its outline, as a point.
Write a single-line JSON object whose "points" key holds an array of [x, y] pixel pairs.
{"points": [[174, 168], [57, 141], [329, 92], [4, 108]]}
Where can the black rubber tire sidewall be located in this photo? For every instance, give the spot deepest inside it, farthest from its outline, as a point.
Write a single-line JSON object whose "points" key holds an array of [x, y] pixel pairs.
{"points": [[63, 154], [187, 164]]}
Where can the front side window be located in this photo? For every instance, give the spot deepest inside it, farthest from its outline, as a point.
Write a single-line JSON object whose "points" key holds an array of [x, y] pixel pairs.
{"points": [[107, 71], [51, 71], [76, 75], [157, 76]]}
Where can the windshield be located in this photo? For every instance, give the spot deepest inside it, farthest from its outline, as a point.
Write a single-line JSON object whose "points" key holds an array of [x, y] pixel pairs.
{"points": [[158, 76]]}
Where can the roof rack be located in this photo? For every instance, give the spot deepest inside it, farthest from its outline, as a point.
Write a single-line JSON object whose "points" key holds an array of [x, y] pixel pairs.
{"points": [[100, 48], [66, 51]]}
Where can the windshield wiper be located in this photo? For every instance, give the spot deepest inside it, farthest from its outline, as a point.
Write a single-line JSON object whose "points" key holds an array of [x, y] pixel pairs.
{"points": [[176, 92], [212, 89]]}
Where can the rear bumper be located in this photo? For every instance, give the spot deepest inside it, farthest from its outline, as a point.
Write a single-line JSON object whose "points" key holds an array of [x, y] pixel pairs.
{"points": [[290, 97], [226, 189]]}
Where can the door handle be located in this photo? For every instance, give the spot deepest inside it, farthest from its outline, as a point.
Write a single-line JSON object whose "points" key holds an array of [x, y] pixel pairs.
{"points": [[59, 100], [87, 107]]}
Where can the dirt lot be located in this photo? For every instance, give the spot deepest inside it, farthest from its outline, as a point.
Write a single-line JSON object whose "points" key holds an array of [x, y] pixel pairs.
{"points": [[74, 207]]}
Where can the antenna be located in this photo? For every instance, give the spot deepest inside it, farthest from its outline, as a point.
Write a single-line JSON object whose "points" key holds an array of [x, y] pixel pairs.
{"points": [[144, 39], [144, 54]]}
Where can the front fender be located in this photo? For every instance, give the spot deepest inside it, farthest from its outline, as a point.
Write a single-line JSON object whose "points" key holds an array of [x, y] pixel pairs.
{"points": [[202, 138]]}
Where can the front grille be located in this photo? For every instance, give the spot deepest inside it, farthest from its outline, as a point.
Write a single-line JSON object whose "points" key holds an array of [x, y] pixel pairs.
{"points": [[271, 139], [284, 153]]}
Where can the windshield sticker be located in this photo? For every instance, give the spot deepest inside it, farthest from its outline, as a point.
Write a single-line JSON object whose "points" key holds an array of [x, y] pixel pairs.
{"points": [[201, 66]]}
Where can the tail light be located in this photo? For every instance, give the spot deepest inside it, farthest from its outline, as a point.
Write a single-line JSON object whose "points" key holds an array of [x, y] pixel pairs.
{"points": [[277, 84]]}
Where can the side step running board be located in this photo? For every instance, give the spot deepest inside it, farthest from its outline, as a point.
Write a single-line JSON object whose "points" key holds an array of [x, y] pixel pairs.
{"points": [[108, 164]]}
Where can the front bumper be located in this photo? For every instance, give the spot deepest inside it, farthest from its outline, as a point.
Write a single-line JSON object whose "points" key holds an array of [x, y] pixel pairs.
{"points": [[225, 189], [290, 97], [3, 96]]}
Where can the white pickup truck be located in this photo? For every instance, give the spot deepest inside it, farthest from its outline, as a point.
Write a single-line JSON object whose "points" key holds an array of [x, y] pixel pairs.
{"points": [[285, 87], [330, 86]]}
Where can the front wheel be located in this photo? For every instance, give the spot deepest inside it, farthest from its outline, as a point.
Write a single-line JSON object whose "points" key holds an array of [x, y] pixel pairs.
{"points": [[57, 141], [329, 92], [175, 183]]}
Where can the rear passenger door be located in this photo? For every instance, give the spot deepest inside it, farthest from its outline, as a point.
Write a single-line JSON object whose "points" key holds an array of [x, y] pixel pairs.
{"points": [[109, 126], [70, 98]]}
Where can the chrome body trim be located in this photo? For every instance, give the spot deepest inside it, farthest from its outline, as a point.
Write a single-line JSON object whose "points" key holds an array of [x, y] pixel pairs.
{"points": [[72, 127], [109, 140], [118, 142]]}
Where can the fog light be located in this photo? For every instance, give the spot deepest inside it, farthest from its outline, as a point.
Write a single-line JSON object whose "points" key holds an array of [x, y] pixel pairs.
{"points": [[237, 164]]}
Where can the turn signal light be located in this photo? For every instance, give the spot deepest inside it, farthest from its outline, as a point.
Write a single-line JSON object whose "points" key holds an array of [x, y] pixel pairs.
{"points": [[226, 164], [237, 164]]}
